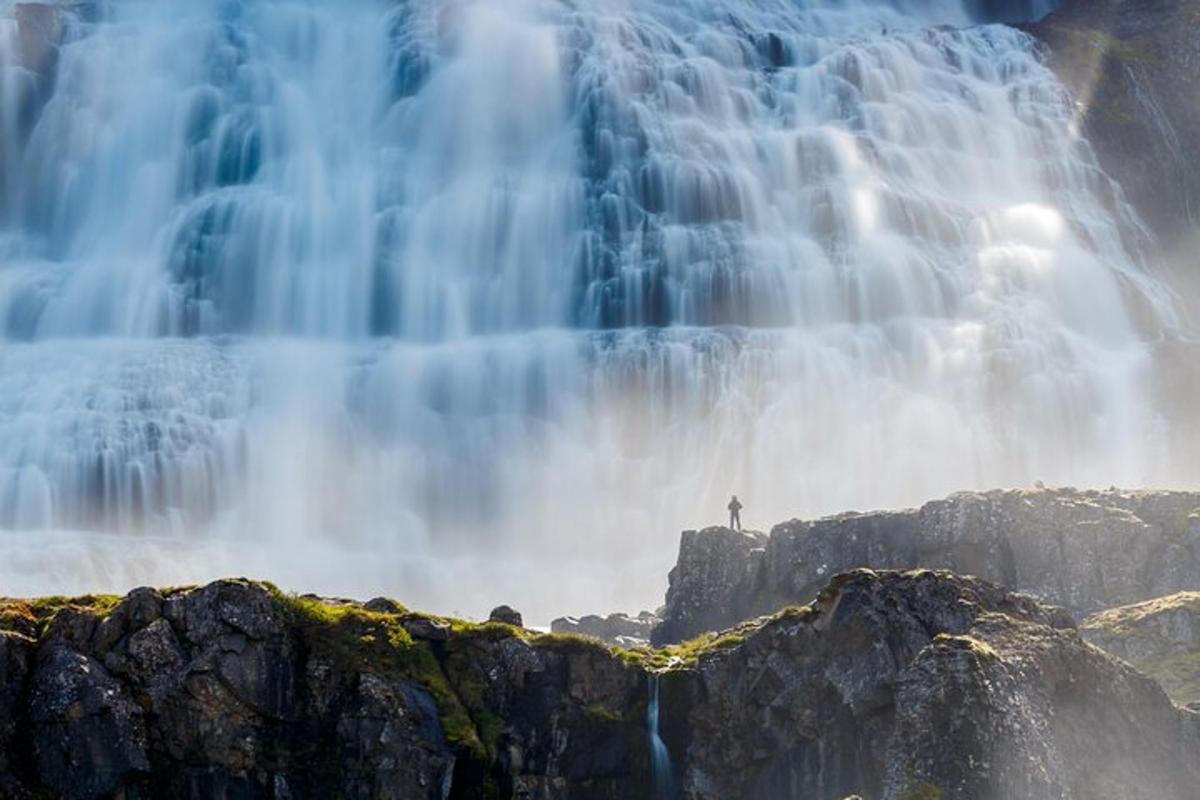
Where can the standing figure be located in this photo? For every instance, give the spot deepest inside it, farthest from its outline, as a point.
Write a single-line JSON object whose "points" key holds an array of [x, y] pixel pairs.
{"points": [[735, 517]]}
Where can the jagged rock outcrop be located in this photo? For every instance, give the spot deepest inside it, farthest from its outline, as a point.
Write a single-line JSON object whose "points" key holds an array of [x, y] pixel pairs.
{"points": [[1085, 550], [1160, 637], [923, 684], [508, 615], [233, 690], [891, 685], [715, 562], [619, 629]]}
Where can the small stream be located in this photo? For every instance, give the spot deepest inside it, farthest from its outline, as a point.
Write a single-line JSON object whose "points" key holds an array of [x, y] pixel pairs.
{"points": [[660, 757]]}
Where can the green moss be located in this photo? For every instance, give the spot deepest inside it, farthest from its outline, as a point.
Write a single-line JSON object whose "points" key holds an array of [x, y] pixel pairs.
{"points": [[356, 640], [573, 642], [684, 654], [31, 617], [1178, 674], [1137, 629], [688, 653], [922, 791], [980, 648], [598, 712], [17, 616]]}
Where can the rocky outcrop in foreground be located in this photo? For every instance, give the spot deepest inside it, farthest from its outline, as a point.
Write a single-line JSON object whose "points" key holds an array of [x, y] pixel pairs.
{"points": [[1084, 550], [894, 685], [1160, 637]]}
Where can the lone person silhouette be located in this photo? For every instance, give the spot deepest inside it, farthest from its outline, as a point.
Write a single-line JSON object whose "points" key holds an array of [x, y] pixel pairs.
{"points": [[735, 517]]}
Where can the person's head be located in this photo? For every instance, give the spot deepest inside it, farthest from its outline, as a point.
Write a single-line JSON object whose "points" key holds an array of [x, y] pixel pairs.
{"points": [[735, 497]]}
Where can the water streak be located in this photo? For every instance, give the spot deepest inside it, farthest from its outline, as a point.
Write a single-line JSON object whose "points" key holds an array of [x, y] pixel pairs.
{"points": [[660, 757]]}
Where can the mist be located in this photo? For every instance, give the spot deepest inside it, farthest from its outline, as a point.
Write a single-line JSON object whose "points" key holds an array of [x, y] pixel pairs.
{"points": [[468, 303]]}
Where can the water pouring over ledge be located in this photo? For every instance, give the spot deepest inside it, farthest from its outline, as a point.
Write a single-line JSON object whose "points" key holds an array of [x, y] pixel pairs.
{"points": [[660, 756], [461, 300]]}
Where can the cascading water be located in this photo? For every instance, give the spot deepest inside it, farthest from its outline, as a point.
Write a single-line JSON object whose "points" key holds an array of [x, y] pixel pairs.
{"points": [[469, 301], [660, 757]]}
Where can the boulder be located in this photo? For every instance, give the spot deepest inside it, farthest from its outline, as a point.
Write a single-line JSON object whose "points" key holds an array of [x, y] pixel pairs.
{"points": [[507, 615], [383, 605], [428, 629]]}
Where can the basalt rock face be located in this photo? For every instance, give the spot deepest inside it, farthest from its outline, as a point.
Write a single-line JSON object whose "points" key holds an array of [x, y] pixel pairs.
{"points": [[922, 684], [893, 685], [1083, 550], [1133, 67], [232, 691], [717, 563], [1160, 637]]}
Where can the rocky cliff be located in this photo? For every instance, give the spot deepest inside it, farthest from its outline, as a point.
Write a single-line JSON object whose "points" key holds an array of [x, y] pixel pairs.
{"points": [[1160, 637], [1084, 550], [1133, 67], [890, 685]]}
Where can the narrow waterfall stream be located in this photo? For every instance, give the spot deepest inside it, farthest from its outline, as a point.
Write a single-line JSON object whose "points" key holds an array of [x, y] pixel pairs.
{"points": [[660, 757]]}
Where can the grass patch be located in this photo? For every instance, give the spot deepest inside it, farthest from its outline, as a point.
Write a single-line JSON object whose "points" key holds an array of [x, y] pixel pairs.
{"points": [[980, 648], [922, 791], [1178, 674], [358, 641], [1130, 620], [598, 712], [30, 618], [688, 654]]}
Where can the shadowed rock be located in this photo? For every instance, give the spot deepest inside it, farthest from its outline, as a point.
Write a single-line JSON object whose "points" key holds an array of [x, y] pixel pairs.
{"points": [[1132, 68], [891, 685]]}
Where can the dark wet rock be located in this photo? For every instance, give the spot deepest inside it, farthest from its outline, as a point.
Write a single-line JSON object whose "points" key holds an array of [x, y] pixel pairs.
{"points": [[391, 742], [891, 685], [138, 609], [922, 684], [234, 690], [1082, 550], [16, 664], [1160, 637], [714, 563], [1132, 67], [89, 738], [618, 629], [428, 629], [506, 615], [240, 645]]}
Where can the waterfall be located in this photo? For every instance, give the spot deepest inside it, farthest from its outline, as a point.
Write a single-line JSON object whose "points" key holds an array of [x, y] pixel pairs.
{"points": [[660, 757], [468, 301]]}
